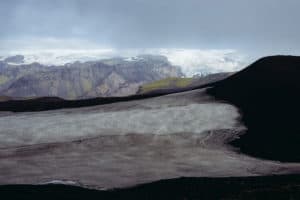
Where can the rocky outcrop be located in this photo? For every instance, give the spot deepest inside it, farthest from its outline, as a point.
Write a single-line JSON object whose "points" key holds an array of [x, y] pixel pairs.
{"points": [[17, 59]]}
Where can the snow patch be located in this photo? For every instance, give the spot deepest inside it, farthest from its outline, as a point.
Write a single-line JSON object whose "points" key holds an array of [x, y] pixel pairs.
{"points": [[63, 182], [33, 128]]}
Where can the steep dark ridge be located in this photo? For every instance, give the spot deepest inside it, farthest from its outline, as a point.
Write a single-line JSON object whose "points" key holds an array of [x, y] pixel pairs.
{"points": [[52, 103], [268, 95], [269, 187]]}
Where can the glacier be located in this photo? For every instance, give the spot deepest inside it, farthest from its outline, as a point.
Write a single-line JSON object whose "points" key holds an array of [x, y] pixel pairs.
{"points": [[192, 61]]}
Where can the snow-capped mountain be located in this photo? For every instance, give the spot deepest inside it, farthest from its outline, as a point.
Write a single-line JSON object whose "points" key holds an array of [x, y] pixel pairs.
{"points": [[191, 61], [108, 77]]}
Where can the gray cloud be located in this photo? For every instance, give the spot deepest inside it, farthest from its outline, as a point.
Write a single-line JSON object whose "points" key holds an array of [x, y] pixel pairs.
{"points": [[254, 26]]}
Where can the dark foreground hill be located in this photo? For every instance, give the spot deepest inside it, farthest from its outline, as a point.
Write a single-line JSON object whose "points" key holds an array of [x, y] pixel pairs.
{"points": [[268, 95], [52, 103], [272, 187]]}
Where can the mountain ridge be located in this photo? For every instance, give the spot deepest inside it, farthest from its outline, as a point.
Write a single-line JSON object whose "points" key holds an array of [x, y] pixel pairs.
{"points": [[84, 80], [267, 94]]}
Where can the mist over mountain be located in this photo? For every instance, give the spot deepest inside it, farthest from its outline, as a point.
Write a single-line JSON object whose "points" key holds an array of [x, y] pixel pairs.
{"points": [[191, 61], [73, 74]]}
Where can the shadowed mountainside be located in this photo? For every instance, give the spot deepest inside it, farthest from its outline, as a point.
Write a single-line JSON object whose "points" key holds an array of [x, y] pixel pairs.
{"points": [[268, 95], [52, 103]]}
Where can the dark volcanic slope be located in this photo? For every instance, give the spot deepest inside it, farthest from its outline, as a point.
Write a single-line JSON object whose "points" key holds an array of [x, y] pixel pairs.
{"points": [[52, 103], [276, 187], [268, 95]]}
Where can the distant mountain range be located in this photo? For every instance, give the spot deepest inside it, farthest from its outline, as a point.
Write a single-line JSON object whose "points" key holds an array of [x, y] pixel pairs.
{"points": [[107, 77], [191, 61]]}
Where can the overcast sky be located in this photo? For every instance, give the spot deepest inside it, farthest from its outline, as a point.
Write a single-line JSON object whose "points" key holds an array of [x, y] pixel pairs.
{"points": [[252, 26]]}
